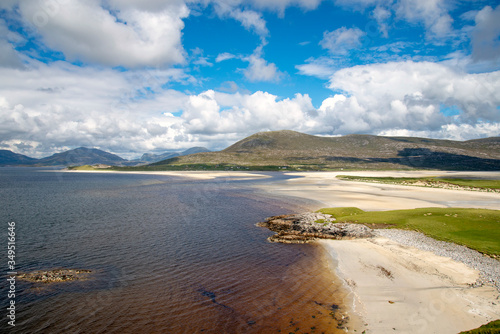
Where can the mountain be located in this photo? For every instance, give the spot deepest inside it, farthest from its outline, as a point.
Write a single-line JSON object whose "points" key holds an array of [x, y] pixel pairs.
{"points": [[81, 156], [9, 158], [150, 157], [298, 151]]}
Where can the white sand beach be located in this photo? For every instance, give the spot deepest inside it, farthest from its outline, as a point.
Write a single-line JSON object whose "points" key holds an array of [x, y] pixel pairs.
{"points": [[331, 192], [201, 175], [397, 288]]}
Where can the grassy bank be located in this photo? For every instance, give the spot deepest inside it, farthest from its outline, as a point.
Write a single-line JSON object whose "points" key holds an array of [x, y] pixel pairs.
{"points": [[490, 328], [437, 182], [477, 229]]}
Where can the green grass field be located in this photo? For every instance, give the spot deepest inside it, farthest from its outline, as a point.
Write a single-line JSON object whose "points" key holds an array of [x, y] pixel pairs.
{"points": [[490, 328], [430, 181], [477, 229]]}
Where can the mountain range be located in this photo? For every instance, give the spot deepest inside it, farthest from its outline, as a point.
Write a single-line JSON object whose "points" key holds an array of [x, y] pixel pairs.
{"points": [[87, 156], [292, 150]]}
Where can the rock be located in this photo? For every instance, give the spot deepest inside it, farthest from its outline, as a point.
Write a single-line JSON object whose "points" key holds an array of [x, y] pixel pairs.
{"points": [[305, 227], [56, 275]]}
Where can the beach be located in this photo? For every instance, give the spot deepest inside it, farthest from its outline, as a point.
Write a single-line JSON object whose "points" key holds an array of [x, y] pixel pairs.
{"points": [[396, 288]]}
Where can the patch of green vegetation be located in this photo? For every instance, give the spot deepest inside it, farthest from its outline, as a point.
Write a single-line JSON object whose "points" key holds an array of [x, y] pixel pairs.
{"points": [[488, 184], [477, 229], [430, 181], [84, 167], [490, 328], [341, 212]]}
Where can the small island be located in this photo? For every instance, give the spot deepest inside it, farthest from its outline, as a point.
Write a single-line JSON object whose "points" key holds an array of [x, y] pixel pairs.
{"points": [[55, 275]]}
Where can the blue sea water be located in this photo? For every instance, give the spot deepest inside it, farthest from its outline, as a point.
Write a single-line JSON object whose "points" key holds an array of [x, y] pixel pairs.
{"points": [[167, 254]]}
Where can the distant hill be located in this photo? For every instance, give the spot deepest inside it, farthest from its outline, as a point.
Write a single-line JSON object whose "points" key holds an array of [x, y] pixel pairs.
{"points": [[298, 151], [9, 158], [81, 156], [150, 157]]}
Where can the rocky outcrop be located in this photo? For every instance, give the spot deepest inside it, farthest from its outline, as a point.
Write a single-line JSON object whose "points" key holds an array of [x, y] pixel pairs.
{"points": [[305, 227], [56, 275]]}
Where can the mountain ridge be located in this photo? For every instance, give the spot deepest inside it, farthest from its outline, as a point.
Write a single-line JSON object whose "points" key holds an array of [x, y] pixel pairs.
{"points": [[298, 151]]}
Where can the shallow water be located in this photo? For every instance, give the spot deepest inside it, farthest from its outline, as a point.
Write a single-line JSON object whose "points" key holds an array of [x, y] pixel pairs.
{"points": [[169, 255]]}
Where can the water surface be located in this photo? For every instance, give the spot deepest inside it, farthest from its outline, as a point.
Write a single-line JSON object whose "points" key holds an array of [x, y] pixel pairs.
{"points": [[169, 255]]}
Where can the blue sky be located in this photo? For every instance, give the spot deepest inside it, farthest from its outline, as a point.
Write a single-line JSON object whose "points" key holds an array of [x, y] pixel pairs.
{"points": [[131, 76]]}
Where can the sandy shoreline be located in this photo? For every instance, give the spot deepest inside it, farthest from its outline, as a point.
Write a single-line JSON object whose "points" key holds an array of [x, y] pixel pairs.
{"points": [[188, 174], [396, 288]]}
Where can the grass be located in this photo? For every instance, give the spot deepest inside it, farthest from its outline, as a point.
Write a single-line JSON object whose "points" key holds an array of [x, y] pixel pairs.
{"points": [[431, 181], [84, 167], [490, 328], [477, 229]]}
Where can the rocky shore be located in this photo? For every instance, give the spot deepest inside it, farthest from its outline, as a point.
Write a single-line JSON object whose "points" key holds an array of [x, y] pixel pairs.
{"points": [[55, 276], [306, 227]]}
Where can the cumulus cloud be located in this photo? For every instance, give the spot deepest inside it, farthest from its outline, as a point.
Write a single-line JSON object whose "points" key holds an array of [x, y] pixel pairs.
{"points": [[486, 36], [8, 55], [410, 95], [342, 40], [433, 13], [259, 69], [130, 35], [214, 112]]}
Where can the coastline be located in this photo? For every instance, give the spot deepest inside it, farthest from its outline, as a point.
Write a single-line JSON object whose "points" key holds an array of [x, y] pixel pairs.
{"points": [[392, 287], [400, 289]]}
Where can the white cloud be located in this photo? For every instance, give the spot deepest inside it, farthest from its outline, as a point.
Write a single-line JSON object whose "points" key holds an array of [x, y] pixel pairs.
{"points": [[322, 67], [259, 69], [409, 95], [224, 56], [127, 36], [281, 5], [433, 13], [214, 113], [450, 131], [342, 40], [486, 36], [381, 15], [8, 55]]}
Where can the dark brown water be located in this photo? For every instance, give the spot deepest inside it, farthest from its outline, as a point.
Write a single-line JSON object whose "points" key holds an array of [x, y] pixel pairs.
{"points": [[169, 255]]}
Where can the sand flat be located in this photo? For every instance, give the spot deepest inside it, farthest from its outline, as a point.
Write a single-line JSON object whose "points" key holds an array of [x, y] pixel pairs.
{"points": [[329, 191], [398, 289], [201, 175]]}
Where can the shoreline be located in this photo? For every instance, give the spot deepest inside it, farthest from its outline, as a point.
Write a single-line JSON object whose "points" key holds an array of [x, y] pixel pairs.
{"points": [[400, 289], [393, 287], [390, 287]]}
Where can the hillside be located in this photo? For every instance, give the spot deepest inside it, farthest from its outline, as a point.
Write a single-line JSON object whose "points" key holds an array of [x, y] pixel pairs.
{"points": [[81, 156], [150, 157], [298, 151], [9, 158]]}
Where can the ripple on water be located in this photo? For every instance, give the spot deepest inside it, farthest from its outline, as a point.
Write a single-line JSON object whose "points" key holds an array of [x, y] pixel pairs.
{"points": [[168, 258]]}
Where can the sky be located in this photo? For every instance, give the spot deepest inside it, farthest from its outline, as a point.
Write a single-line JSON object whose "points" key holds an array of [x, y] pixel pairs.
{"points": [[136, 76]]}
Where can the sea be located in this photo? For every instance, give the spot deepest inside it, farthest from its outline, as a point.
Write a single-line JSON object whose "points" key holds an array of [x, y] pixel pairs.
{"points": [[167, 255]]}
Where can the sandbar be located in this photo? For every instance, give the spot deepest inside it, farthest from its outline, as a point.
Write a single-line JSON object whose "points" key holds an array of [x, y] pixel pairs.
{"points": [[201, 175]]}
